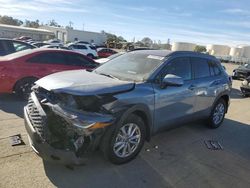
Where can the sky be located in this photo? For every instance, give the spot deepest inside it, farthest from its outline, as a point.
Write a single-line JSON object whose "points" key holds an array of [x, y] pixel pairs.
{"points": [[197, 21]]}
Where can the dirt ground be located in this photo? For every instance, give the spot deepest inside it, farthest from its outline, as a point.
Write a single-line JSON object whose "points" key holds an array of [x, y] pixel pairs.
{"points": [[180, 159]]}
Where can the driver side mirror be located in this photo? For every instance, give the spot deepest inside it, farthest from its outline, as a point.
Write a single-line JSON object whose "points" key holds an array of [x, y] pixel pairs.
{"points": [[172, 80]]}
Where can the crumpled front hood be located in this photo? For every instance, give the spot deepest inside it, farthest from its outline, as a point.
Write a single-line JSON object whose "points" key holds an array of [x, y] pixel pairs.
{"points": [[81, 82]]}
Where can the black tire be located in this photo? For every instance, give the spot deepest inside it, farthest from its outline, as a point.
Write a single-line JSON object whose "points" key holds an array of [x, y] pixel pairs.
{"points": [[23, 87], [110, 138], [91, 56], [211, 120]]}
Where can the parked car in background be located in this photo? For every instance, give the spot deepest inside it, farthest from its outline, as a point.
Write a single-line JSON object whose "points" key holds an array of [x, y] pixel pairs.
{"points": [[245, 87], [54, 42], [84, 49], [81, 42], [23, 38], [242, 72], [105, 52], [9, 46], [20, 70], [122, 103], [39, 44], [55, 46], [106, 59]]}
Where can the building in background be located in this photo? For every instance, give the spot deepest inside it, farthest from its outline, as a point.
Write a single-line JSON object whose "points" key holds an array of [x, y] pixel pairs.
{"points": [[183, 46], [70, 35], [9, 31]]}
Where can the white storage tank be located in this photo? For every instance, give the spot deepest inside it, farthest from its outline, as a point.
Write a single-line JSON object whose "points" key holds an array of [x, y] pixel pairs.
{"points": [[236, 52], [183, 46], [218, 50], [246, 51]]}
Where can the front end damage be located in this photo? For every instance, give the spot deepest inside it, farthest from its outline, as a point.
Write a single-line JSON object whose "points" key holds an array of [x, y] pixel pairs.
{"points": [[66, 128]]}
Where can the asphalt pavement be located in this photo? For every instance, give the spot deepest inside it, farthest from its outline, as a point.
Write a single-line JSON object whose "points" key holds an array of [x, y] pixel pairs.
{"points": [[175, 158]]}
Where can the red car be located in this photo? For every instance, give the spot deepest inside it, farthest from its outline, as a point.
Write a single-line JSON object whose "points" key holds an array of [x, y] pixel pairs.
{"points": [[19, 71], [105, 52]]}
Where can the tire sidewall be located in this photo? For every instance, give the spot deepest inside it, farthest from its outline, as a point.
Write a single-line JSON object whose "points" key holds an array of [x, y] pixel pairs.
{"points": [[23, 82], [111, 136], [90, 56], [211, 122]]}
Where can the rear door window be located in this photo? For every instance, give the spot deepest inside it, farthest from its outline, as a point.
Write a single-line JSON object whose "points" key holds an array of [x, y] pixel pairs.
{"points": [[78, 60], [49, 58], [200, 67], [81, 47]]}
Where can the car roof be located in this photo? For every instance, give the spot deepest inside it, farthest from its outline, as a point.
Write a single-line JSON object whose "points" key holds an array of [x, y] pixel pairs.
{"points": [[5, 39], [166, 53], [31, 51]]}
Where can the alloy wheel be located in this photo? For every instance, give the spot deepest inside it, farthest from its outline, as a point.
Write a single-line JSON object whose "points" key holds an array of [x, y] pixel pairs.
{"points": [[218, 113], [127, 140]]}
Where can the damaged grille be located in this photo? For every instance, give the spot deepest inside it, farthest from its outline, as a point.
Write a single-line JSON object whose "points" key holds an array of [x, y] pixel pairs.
{"points": [[36, 119]]}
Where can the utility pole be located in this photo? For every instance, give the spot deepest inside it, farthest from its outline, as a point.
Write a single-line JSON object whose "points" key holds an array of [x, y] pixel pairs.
{"points": [[71, 24]]}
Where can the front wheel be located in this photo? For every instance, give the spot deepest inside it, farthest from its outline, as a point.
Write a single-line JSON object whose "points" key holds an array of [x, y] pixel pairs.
{"points": [[23, 87], [123, 143], [218, 113], [91, 56]]}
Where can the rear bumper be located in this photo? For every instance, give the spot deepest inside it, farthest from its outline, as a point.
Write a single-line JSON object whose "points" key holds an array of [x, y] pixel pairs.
{"points": [[44, 150]]}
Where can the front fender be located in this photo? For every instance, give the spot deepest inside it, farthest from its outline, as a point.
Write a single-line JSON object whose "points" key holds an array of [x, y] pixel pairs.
{"points": [[142, 110]]}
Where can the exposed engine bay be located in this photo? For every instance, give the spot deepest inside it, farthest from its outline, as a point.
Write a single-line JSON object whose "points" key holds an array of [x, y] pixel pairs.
{"points": [[67, 122]]}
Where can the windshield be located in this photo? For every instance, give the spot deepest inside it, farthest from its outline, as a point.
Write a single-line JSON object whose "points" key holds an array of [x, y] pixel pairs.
{"points": [[131, 66], [115, 55]]}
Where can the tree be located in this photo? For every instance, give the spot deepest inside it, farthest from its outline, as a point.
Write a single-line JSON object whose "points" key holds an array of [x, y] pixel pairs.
{"points": [[10, 21], [199, 48], [34, 24], [121, 39], [147, 41], [113, 38], [53, 23]]}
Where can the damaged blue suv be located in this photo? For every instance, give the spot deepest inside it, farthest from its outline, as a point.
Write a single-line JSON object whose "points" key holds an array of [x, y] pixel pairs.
{"points": [[122, 103]]}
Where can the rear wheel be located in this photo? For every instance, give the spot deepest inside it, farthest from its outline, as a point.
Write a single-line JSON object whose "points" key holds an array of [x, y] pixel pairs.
{"points": [[218, 113], [23, 87], [90, 56], [123, 144]]}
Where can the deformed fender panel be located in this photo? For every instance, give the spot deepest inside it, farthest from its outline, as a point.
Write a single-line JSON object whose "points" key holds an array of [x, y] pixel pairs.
{"points": [[122, 112]]}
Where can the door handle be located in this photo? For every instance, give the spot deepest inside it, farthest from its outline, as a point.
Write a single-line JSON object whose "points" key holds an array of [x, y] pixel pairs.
{"points": [[192, 87]]}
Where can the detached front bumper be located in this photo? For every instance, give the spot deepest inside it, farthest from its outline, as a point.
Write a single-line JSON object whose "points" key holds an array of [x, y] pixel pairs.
{"points": [[37, 125]]}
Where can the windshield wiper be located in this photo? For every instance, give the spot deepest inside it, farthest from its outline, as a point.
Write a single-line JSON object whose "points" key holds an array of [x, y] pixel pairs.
{"points": [[108, 75]]}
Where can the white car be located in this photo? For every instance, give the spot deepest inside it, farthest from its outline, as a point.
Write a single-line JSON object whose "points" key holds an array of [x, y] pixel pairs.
{"points": [[54, 42], [84, 49]]}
